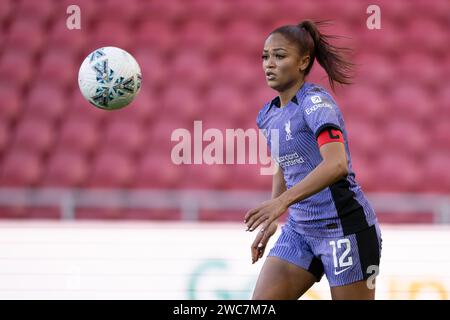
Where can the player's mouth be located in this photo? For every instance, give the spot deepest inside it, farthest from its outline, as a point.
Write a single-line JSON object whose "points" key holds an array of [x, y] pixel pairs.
{"points": [[270, 76]]}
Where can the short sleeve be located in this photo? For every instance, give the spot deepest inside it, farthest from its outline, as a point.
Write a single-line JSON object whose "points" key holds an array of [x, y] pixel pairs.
{"points": [[260, 117], [320, 113]]}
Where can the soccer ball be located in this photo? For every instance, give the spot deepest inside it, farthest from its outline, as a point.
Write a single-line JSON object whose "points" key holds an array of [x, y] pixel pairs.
{"points": [[109, 78]]}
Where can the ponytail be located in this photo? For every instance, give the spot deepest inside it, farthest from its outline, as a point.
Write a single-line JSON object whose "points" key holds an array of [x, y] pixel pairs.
{"points": [[317, 45]]}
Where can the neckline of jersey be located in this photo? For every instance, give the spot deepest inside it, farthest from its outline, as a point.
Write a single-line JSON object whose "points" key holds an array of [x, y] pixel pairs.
{"points": [[298, 95]]}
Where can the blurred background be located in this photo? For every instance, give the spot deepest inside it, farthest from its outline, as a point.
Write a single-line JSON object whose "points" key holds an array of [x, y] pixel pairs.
{"points": [[73, 178]]}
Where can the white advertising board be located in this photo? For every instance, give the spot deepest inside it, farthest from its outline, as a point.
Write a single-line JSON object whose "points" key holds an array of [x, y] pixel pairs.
{"points": [[143, 260]]}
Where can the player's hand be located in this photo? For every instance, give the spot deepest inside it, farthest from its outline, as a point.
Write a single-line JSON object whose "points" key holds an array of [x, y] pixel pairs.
{"points": [[265, 214], [260, 243]]}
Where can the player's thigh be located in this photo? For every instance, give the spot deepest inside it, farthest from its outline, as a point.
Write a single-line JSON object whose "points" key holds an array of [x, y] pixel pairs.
{"points": [[355, 291], [282, 280]]}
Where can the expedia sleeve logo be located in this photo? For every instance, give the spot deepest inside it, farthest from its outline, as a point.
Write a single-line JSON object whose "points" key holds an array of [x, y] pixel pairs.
{"points": [[318, 103], [316, 99]]}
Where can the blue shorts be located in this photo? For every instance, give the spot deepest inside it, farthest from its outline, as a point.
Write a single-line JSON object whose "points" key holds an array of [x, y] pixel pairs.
{"points": [[344, 260]]}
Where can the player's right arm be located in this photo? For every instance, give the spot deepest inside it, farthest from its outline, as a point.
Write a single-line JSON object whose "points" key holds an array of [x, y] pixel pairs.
{"points": [[259, 245]]}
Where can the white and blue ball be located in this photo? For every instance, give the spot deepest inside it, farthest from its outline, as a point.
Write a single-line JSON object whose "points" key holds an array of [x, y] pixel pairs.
{"points": [[109, 78]]}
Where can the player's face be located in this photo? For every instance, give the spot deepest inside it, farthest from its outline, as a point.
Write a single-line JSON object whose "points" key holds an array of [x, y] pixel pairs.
{"points": [[282, 62]]}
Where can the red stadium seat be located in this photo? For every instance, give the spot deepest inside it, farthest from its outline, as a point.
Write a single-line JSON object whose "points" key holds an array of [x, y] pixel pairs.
{"points": [[438, 175], [239, 71], [156, 37], [427, 35], [440, 137], [200, 35], [143, 108], [79, 135], [258, 12], [156, 170], [182, 102], [58, 69], [249, 176], [16, 68], [350, 14], [363, 102], [226, 102], [237, 38], [405, 136], [396, 172], [382, 42], [123, 136], [31, 9], [412, 102], [110, 213], [112, 170], [365, 170], [158, 136], [80, 108], [20, 168], [192, 65], [7, 10], [374, 68], [222, 215], [4, 136], [25, 36], [291, 12], [364, 137], [216, 13], [75, 41], [66, 169], [428, 74], [443, 97], [111, 33], [11, 104], [35, 135], [140, 111], [405, 217], [153, 75], [397, 12], [22, 212], [204, 176], [436, 10], [46, 102], [171, 12], [115, 10]]}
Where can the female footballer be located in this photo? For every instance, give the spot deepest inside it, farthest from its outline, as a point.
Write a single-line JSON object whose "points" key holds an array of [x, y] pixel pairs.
{"points": [[331, 228]]}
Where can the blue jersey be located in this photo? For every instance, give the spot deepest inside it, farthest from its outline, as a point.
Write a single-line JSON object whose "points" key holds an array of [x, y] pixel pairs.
{"points": [[337, 210]]}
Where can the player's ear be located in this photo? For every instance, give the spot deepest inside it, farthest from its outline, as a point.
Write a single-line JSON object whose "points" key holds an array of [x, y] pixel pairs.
{"points": [[304, 62]]}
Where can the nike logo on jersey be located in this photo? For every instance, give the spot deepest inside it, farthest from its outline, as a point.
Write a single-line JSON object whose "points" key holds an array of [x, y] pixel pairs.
{"points": [[340, 271]]}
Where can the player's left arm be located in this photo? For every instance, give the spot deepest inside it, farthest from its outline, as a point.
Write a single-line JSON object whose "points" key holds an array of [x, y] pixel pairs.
{"points": [[332, 168]]}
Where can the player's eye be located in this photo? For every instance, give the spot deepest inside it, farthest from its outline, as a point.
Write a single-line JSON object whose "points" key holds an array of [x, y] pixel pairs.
{"points": [[279, 56], [265, 56]]}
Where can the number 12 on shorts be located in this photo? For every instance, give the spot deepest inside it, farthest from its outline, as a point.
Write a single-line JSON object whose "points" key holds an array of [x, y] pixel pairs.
{"points": [[341, 262]]}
